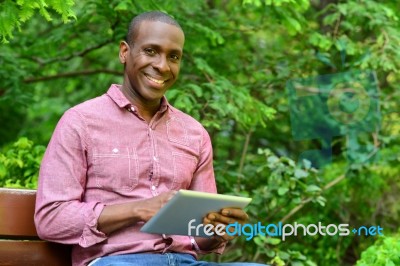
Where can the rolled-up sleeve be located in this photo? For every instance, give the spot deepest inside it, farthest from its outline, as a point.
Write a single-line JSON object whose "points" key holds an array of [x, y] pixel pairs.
{"points": [[61, 215]]}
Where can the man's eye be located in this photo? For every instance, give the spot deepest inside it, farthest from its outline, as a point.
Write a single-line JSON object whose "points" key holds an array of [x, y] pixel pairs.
{"points": [[150, 51], [175, 57]]}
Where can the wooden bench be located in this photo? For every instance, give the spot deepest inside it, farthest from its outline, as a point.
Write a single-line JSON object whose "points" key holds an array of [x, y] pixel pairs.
{"points": [[19, 242]]}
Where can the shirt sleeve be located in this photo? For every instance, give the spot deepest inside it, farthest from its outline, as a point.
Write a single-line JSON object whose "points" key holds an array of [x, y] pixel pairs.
{"points": [[204, 180], [61, 215]]}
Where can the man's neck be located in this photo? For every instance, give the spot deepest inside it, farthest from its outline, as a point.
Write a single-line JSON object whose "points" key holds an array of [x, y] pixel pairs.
{"points": [[147, 113], [146, 109]]}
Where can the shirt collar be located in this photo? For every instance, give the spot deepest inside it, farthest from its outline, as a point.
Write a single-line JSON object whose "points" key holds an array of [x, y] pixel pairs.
{"points": [[115, 93]]}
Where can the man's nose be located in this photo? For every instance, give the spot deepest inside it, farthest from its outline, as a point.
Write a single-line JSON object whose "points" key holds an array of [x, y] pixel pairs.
{"points": [[161, 64]]}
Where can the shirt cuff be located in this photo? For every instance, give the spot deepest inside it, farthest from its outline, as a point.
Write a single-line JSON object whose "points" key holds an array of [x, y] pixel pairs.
{"points": [[91, 235], [177, 243]]}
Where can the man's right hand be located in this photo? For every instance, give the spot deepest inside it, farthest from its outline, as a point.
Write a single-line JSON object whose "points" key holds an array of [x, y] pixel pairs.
{"points": [[151, 206], [118, 216]]}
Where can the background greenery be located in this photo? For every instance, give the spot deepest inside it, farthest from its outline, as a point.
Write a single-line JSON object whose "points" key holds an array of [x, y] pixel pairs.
{"points": [[238, 57]]}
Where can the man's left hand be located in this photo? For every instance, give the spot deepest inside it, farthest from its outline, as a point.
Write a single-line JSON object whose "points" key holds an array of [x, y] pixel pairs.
{"points": [[226, 216]]}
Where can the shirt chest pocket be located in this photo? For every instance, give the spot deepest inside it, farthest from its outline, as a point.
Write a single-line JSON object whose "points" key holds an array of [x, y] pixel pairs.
{"points": [[184, 166], [116, 168]]}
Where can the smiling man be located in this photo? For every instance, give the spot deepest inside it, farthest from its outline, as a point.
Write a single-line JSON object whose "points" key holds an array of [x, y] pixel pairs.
{"points": [[152, 58], [115, 160]]}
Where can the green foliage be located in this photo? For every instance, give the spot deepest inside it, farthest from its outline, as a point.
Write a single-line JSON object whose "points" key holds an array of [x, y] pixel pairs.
{"points": [[237, 60], [367, 30], [19, 164], [14, 13], [384, 252], [218, 100], [287, 12]]}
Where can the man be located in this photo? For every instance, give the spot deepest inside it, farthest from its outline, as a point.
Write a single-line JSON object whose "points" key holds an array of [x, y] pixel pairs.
{"points": [[115, 160]]}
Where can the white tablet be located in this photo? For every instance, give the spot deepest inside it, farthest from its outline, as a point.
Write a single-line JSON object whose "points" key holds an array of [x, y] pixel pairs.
{"points": [[174, 217]]}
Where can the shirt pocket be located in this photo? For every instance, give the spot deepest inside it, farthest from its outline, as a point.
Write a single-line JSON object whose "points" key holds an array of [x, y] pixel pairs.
{"points": [[116, 168], [184, 168]]}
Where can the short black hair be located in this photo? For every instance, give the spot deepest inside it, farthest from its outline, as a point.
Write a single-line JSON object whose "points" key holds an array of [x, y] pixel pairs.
{"points": [[147, 16]]}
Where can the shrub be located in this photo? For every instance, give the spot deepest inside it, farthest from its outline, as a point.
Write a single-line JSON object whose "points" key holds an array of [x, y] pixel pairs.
{"points": [[384, 252], [19, 164]]}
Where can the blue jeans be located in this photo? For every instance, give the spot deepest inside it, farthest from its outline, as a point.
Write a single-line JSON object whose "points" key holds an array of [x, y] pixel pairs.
{"points": [[167, 259]]}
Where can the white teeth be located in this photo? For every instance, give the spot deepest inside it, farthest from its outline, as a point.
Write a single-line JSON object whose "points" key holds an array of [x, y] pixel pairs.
{"points": [[156, 80]]}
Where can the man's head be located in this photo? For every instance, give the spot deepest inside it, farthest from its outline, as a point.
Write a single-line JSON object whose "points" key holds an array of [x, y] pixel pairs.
{"points": [[152, 56], [147, 16]]}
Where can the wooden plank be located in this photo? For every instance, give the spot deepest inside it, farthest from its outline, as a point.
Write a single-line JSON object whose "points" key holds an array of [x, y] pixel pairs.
{"points": [[34, 253], [17, 207]]}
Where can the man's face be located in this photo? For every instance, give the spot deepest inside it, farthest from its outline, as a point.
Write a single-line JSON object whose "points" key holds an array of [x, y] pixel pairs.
{"points": [[152, 63]]}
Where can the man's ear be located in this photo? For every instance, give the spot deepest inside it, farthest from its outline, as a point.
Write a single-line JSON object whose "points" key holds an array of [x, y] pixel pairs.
{"points": [[123, 51]]}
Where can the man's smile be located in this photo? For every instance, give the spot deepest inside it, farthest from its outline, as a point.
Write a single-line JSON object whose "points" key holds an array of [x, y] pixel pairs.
{"points": [[158, 81]]}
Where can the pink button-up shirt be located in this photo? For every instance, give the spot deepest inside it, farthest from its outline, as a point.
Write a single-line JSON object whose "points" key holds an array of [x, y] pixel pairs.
{"points": [[101, 153]]}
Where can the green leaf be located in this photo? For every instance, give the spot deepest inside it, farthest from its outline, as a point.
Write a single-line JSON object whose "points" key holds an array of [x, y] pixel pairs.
{"points": [[270, 253], [272, 241], [313, 188], [297, 263], [321, 201], [282, 191], [292, 25], [300, 173], [198, 91], [19, 162], [306, 164], [283, 255], [273, 159], [3, 171]]}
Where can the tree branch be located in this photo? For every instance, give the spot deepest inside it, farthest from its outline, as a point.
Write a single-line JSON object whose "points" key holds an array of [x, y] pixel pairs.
{"points": [[304, 202], [336, 30], [73, 74], [245, 147], [82, 53]]}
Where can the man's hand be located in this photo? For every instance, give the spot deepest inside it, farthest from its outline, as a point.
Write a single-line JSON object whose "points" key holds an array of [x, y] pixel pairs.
{"points": [[152, 205], [115, 217], [226, 216]]}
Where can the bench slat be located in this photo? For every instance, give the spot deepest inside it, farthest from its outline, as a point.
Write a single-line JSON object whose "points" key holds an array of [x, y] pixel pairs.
{"points": [[35, 253], [17, 207], [18, 233]]}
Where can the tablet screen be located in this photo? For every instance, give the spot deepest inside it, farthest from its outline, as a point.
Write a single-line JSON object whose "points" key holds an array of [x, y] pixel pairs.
{"points": [[178, 213]]}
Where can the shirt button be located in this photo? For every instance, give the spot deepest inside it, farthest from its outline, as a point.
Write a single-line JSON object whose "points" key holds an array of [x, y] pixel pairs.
{"points": [[153, 188], [132, 109], [155, 158]]}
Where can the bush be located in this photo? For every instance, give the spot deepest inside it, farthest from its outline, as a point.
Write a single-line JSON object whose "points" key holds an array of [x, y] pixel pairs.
{"points": [[385, 252], [19, 164]]}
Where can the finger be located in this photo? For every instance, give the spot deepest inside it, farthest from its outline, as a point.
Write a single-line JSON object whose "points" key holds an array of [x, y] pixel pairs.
{"points": [[213, 221], [219, 228], [220, 231], [217, 217], [227, 235], [206, 221], [235, 213], [226, 238], [224, 219]]}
